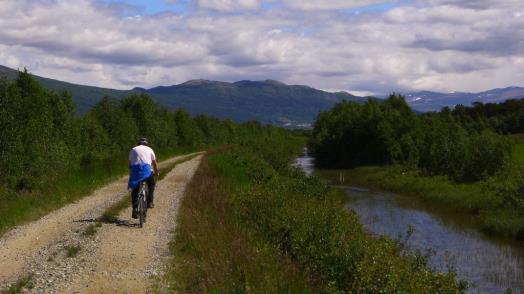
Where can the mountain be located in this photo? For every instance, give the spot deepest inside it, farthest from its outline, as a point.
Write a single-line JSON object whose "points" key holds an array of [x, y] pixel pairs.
{"points": [[434, 101], [266, 101], [84, 96]]}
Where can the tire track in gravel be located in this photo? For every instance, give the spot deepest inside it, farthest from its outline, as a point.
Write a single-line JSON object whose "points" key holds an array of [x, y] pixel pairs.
{"points": [[127, 257], [26, 249]]}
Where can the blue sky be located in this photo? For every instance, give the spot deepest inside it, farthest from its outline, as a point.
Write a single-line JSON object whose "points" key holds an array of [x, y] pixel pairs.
{"points": [[376, 8], [183, 6], [359, 46], [155, 6]]}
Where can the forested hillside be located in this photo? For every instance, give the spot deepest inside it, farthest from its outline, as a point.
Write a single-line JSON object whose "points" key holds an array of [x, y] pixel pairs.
{"points": [[85, 97], [265, 101]]}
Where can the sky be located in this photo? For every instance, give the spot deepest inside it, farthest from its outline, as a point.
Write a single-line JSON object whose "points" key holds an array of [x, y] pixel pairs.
{"points": [[359, 46]]}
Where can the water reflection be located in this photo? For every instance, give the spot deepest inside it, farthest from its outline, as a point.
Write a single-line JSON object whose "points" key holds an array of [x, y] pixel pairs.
{"points": [[491, 265], [305, 162]]}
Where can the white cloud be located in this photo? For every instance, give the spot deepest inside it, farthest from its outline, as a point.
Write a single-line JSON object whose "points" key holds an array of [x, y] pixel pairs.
{"points": [[437, 46], [313, 5], [230, 5], [476, 4]]}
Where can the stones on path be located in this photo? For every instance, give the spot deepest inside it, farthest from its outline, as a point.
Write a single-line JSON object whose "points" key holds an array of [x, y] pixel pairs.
{"points": [[39, 249]]}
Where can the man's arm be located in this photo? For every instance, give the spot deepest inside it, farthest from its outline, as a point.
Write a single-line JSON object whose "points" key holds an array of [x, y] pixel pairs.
{"points": [[155, 167], [130, 158]]}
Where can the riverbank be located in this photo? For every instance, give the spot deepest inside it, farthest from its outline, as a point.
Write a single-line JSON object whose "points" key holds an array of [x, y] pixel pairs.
{"points": [[252, 209], [487, 205]]}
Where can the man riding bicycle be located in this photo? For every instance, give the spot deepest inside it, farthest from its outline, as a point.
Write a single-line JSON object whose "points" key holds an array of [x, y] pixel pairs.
{"points": [[142, 167]]}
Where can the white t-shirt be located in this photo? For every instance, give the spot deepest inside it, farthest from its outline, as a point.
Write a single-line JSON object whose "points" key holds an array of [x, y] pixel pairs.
{"points": [[141, 155]]}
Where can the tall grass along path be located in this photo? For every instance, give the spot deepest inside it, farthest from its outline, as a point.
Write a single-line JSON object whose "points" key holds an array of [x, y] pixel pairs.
{"points": [[120, 254]]}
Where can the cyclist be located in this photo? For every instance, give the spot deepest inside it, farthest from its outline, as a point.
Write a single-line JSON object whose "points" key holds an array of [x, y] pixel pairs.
{"points": [[142, 167]]}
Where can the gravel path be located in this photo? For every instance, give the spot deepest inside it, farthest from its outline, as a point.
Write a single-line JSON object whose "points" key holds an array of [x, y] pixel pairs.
{"points": [[119, 258]]}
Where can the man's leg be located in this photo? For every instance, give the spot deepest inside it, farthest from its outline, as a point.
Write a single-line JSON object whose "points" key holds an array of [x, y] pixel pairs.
{"points": [[134, 200], [151, 184]]}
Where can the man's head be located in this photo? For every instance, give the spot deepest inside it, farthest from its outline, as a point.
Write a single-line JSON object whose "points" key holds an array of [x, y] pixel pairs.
{"points": [[142, 141]]}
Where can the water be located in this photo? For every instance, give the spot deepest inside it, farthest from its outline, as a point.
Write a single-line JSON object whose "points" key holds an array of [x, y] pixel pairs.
{"points": [[305, 163], [492, 265]]}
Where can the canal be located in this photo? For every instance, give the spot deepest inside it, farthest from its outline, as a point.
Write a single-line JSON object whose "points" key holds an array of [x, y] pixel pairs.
{"points": [[450, 239]]}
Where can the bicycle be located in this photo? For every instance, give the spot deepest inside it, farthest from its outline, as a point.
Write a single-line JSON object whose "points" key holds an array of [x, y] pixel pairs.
{"points": [[143, 192]]}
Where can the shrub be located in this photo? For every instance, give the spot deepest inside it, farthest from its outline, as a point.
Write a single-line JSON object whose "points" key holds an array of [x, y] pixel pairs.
{"points": [[352, 135], [307, 222]]}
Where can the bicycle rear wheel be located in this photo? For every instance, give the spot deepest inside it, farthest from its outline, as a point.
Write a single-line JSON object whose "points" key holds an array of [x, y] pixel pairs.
{"points": [[141, 212], [142, 204]]}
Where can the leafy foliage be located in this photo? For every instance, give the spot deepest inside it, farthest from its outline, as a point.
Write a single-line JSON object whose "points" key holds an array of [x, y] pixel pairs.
{"points": [[506, 117], [43, 137], [47, 148], [450, 157], [306, 222], [352, 135], [214, 253]]}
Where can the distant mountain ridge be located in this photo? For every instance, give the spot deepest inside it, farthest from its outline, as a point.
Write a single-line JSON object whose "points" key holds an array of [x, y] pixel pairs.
{"points": [[434, 101], [266, 101]]}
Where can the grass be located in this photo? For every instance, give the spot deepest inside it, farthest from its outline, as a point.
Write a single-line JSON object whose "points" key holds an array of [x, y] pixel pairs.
{"points": [[52, 257], [110, 215], [214, 254], [17, 208], [72, 250], [436, 190], [518, 152], [25, 282], [246, 224], [91, 230]]}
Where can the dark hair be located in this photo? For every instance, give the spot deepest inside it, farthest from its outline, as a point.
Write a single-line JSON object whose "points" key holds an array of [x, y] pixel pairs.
{"points": [[143, 141]]}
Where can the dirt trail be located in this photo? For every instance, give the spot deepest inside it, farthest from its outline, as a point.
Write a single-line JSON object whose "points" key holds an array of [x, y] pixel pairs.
{"points": [[127, 256], [122, 252]]}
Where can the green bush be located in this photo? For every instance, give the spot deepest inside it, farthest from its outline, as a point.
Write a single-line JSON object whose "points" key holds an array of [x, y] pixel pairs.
{"points": [[214, 253], [352, 135], [306, 221], [50, 155], [43, 137]]}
